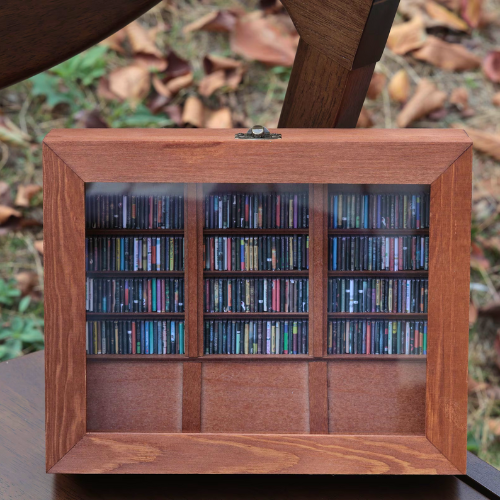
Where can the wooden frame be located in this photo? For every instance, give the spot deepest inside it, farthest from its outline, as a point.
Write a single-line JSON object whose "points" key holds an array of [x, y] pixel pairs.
{"points": [[441, 159]]}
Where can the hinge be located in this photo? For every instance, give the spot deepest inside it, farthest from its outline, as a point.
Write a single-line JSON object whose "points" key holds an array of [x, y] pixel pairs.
{"points": [[257, 132]]}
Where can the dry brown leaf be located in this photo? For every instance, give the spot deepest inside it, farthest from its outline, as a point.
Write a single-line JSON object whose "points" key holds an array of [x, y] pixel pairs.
{"points": [[176, 67], [172, 87], [218, 119], [475, 386], [193, 113], [407, 36], [150, 62], [472, 313], [115, 41], [210, 83], [213, 63], [26, 282], [174, 111], [131, 83], [496, 99], [426, 99], [448, 56], [399, 86], [259, 38], [472, 12], [491, 66], [220, 20], [7, 212], [365, 119], [487, 142], [140, 41], [25, 194], [460, 98], [444, 17], [38, 246], [103, 90], [494, 426], [377, 84], [91, 119]]}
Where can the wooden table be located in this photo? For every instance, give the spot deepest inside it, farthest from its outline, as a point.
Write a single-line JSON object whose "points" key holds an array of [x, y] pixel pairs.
{"points": [[22, 465]]}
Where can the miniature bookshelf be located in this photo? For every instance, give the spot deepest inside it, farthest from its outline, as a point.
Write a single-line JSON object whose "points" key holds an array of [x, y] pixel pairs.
{"points": [[243, 376]]}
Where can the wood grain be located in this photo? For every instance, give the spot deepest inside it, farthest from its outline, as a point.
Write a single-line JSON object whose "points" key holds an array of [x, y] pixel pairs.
{"points": [[256, 397], [43, 33], [318, 265], [192, 261], [64, 259], [331, 156], [376, 397], [134, 396], [191, 397], [112, 453], [318, 397], [448, 331]]}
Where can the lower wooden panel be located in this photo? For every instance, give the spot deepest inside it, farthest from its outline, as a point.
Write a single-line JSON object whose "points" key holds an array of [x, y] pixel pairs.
{"points": [[134, 396], [376, 397], [263, 397], [253, 454]]}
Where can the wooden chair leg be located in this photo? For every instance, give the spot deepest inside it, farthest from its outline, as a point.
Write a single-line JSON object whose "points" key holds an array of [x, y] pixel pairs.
{"points": [[337, 52]]}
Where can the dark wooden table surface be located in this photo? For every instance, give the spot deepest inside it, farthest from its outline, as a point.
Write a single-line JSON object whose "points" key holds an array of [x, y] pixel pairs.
{"points": [[22, 465]]}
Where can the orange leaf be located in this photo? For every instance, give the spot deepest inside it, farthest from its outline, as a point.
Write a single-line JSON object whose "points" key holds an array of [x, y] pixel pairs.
{"points": [[150, 62], [399, 86], [377, 84], [407, 36], [7, 212], [131, 83], [445, 17], [210, 83], [496, 99], [460, 97], [220, 20], [140, 41], [193, 113], [448, 56], [491, 66], [218, 119], [115, 41], [426, 99], [26, 281], [38, 246], [487, 142], [472, 12], [25, 193]]}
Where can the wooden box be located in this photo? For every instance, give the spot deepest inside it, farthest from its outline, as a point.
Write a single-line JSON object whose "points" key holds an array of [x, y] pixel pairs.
{"points": [[338, 406]]}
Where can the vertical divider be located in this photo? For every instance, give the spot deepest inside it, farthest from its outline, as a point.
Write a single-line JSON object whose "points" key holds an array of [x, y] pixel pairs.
{"points": [[318, 259], [200, 224], [191, 270]]}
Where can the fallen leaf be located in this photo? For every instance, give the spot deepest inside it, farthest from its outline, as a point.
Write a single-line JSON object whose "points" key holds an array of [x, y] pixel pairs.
{"points": [[494, 426], [176, 67], [448, 56], [474, 386], [408, 36], [131, 83], [25, 194], [193, 113], [472, 314], [104, 91], [438, 114], [11, 134], [365, 119], [157, 103], [496, 99], [486, 142], [444, 17], [174, 112], [220, 118], [377, 84], [472, 12], [173, 86], [477, 258], [7, 212], [115, 41], [26, 282], [150, 62], [399, 86], [38, 246], [460, 98], [220, 20], [426, 99], [491, 66], [213, 63], [140, 41], [259, 38], [210, 83], [91, 119]]}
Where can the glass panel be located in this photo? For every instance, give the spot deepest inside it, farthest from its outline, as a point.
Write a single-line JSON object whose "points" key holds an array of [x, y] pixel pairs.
{"points": [[378, 259], [256, 262], [135, 268]]}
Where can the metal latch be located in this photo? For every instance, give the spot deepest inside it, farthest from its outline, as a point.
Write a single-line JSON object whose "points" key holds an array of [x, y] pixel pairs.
{"points": [[257, 132]]}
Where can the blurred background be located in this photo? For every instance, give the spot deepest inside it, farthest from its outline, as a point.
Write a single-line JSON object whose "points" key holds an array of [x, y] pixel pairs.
{"points": [[226, 63]]}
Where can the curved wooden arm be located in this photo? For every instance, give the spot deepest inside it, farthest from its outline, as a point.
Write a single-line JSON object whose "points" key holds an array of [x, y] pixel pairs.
{"points": [[37, 34]]}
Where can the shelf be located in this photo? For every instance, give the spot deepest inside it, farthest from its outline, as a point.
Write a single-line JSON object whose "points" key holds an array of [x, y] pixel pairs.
{"points": [[378, 274], [254, 357], [136, 357], [255, 274], [378, 357], [379, 315], [134, 232], [91, 316], [249, 315], [135, 274], [379, 232], [253, 232]]}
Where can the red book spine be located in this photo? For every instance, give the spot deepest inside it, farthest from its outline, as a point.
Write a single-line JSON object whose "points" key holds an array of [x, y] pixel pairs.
{"points": [[158, 213], [368, 337], [278, 295], [391, 254], [134, 350]]}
